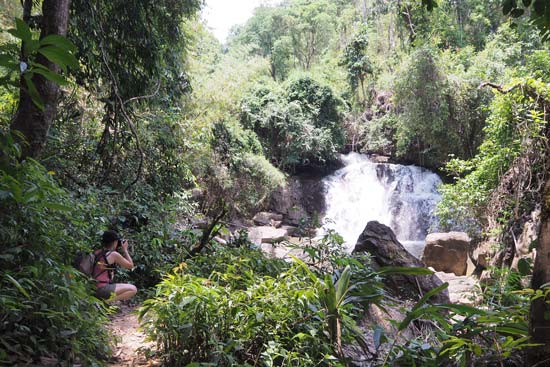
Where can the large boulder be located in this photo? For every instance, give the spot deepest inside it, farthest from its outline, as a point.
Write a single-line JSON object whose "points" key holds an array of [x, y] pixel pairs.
{"points": [[300, 201], [379, 240], [447, 252]]}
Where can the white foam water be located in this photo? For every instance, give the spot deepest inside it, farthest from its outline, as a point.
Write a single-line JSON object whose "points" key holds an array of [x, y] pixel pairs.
{"points": [[401, 197]]}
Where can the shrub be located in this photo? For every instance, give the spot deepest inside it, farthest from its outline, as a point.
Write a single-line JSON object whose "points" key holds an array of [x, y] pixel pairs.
{"points": [[47, 309], [300, 126], [237, 307]]}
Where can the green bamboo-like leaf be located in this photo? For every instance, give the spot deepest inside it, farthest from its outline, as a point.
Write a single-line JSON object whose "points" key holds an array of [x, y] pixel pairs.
{"points": [[18, 286], [56, 206], [330, 294], [429, 295], [419, 309], [464, 309], [432, 310], [342, 286]]}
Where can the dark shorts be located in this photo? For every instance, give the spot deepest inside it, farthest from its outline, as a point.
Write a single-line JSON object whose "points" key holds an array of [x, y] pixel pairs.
{"points": [[105, 292]]}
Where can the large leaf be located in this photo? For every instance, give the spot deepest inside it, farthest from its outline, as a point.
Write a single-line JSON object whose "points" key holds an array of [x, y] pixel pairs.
{"points": [[21, 31], [59, 57], [50, 75], [342, 286], [58, 41], [33, 92]]}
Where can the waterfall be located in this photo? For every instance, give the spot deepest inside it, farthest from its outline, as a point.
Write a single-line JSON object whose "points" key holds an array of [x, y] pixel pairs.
{"points": [[402, 197]]}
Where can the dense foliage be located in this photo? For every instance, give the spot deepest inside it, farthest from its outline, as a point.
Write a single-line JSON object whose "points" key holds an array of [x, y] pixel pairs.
{"points": [[46, 306], [298, 126], [161, 129]]}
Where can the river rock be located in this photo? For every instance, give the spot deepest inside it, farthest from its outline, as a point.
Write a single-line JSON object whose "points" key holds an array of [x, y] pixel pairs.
{"points": [[380, 241], [447, 252], [267, 218], [462, 289], [270, 234]]}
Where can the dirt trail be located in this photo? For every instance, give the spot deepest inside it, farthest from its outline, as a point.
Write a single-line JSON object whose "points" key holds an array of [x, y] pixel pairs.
{"points": [[124, 327]]}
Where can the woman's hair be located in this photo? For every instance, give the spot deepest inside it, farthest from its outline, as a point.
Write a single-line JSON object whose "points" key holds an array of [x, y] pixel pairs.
{"points": [[109, 236]]}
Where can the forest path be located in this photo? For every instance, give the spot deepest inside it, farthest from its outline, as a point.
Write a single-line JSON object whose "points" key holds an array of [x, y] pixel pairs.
{"points": [[124, 327]]}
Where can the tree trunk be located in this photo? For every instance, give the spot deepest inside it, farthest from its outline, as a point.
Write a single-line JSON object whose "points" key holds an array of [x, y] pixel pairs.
{"points": [[539, 323], [32, 122]]}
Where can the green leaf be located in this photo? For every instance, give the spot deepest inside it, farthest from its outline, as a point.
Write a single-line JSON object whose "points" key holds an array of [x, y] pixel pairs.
{"points": [[429, 295], [59, 57], [7, 61], [58, 41], [18, 286], [512, 330], [30, 47], [56, 206], [50, 75], [342, 286], [21, 31], [33, 92], [524, 266], [378, 336]]}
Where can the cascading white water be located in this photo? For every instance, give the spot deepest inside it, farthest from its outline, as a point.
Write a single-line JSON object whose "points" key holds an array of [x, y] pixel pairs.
{"points": [[402, 197]]}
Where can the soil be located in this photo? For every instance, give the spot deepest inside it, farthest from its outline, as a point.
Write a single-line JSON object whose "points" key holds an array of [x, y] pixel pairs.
{"points": [[130, 341]]}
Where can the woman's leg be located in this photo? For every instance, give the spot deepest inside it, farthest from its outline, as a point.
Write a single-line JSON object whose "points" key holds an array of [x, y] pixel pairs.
{"points": [[124, 291]]}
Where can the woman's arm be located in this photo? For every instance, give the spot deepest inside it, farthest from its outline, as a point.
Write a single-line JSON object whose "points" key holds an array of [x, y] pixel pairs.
{"points": [[124, 259]]}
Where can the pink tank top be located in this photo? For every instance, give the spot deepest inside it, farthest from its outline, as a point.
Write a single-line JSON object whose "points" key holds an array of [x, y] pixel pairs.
{"points": [[103, 271]]}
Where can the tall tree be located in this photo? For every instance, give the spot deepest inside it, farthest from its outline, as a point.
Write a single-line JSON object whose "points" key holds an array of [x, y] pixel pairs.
{"points": [[32, 120]]}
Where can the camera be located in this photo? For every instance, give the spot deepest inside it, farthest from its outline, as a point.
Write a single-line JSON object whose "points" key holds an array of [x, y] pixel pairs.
{"points": [[120, 241]]}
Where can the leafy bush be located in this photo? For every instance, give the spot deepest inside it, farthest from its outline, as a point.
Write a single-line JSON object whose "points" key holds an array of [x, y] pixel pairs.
{"points": [[47, 309], [210, 320], [238, 307], [465, 335], [380, 135], [299, 126], [513, 130]]}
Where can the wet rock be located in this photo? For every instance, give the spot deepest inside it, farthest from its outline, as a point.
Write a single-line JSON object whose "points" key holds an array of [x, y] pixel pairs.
{"points": [[380, 241], [447, 252]]}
